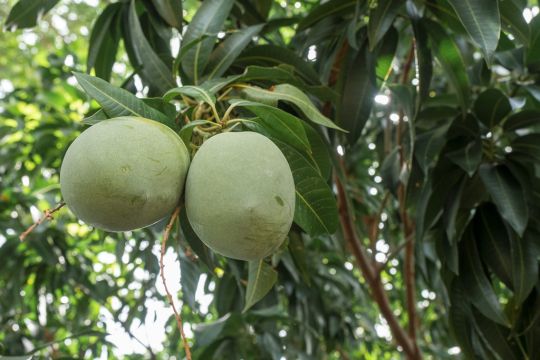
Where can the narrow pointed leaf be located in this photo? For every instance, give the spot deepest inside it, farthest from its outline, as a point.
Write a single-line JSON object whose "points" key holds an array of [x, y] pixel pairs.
{"points": [[194, 92], [26, 13], [524, 265], [482, 21], [507, 194], [261, 279], [325, 10], [225, 53], [153, 69], [119, 102], [208, 21], [170, 11], [380, 19]]}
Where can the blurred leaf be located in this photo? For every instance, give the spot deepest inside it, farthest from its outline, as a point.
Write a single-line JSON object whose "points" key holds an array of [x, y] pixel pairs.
{"points": [[152, 69], [208, 21], [522, 119], [496, 336], [507, 194], [189, 279], [514, 22], [386, 53], [358, 92], [491, 107], [467, 156], [532, 54], [298, 253], [315, 210], [449, 56], [380, 19], [524, 265], [429, 144], [198, 247], [25, 13], [261, 279], [170, 11], [207, 333], [225, 53], [479, 289], [482, 21], [390, 170], [295, 96], [119, 102], [528, 146], [460, 316], [325, 10]]}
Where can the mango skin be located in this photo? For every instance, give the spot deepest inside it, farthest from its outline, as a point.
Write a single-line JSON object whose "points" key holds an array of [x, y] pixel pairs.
{"points": [[240, 195], [124, 173]]}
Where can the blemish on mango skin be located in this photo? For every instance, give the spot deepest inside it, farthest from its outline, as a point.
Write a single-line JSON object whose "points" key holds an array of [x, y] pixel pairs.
{"points": [[279, 200], [125, 168]]}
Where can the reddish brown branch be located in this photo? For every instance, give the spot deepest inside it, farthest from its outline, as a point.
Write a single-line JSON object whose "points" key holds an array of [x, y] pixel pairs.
{"points": [[166, 235], [372, 278], [47, 215]]}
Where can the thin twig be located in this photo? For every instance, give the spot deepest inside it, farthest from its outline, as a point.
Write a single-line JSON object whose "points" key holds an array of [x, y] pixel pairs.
{"points": [[166, 235], [47, 215]]}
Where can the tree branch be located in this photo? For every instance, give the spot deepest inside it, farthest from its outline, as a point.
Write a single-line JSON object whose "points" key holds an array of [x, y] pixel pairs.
{"points": [[47, 215], [166, 235]]}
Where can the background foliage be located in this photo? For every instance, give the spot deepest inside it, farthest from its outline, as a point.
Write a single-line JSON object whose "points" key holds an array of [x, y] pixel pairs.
{"points": [[438, 169]]}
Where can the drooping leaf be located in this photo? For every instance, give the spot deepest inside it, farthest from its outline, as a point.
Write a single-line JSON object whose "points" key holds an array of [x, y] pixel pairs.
{"points": [[482, 21], [449, 56], [380, 19], [26, 13], [424, 57], [479, 289], [358, 92], [496, 337], [152, 69], [170, 11], [507, 194], [514, 22], [491, 107], [104, 41], [295, 96], [208, 20], [524, 255], [315, 209], [325, 10], [494, 242], [119, 102], [225, 53], [320, 151], [385, 55], [298, 253], [261, 279]]}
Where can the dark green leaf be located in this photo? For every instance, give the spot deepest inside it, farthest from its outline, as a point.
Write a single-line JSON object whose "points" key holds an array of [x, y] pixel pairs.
{"points": [[119, 102], [524, 255], [200, 249], [386, 53], [390, 171], [26, 13], [496, 336], [522, 119], [316, 209], [358, 92], [194, 92], [380, 19], [482, 21], [261, 279], [467, 156], [514, 22], [507, 194], [320, 151], [491, 107], [429, 144], [170, 11], [189, 278], [208, 20], [527, 146], [152, 69], [449, 56], [532, 54], [299, 254], [225, 53], [325, 10]]}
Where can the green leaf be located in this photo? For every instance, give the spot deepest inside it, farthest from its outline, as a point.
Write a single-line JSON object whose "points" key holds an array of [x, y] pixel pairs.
{"points": [[195, 92], [295, 96], [326, 10], [460, 316], [494, 242], [528, 146], [479, 289], [482, 21], [316, 210], [532, 54], [514, 22], [468, 155], [385, 55], [152, 69], [187, 130], [428, 145], [227, 325], [299, 255], [271, 55], [208, 21], [496, 337], [524, 255], [119, 102], [507, 194], [189, 279], [95, 117], [170, 11], [424, 58], [391, 170], [449, 56], [198, 247], [380, 19], [26, 13], [319, 150], [491, 107], [104, 41], [278, 124], [261, 279], [358, 93], [225, 53], [522, 119]]}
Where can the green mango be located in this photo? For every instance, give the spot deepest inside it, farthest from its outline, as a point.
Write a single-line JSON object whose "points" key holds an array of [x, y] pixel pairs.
{"points": [[124, 173], [240, 195]]}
